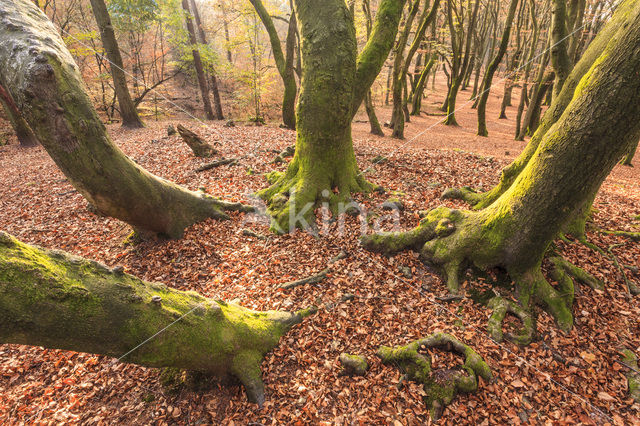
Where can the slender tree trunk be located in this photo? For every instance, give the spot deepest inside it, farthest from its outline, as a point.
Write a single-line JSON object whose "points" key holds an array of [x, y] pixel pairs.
{"points": [[39, 72], [376, 129], [493, 66], [217, 102], [559, 45], [419, 92], [227, 38], [128, 111], [284, 64], [197, 62], [628, 158], [25, 135], [61, 301]]}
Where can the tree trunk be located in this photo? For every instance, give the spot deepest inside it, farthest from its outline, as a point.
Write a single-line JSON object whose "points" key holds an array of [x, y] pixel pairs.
{"points": [[555, 111], [559, 45], [284, 64], [60, 301], [197, 61], [333, 86], [628, 158], [128, 111], [515, 231], [25, 135], [419, 92], [371, 114], [491, 69], [39, 72], [212, 74]]}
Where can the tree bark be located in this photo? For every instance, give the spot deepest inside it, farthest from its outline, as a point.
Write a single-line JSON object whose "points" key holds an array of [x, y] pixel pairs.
{"points": [[60, 301], [628, 158], [39, 72], [128, 112], [559, 45], [212, 74], [197, 61], [419, 92], [333, 86], [25, 135], [376, 129], [598, 126], [491, 69]]}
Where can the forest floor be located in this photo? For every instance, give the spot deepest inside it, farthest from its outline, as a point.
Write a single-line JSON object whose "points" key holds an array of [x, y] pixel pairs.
{"points": [[560, 378]]}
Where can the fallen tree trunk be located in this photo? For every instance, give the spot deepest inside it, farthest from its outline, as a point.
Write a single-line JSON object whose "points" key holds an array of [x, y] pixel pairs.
{"points": [[39, 72], [56, 300], [199, 147]]}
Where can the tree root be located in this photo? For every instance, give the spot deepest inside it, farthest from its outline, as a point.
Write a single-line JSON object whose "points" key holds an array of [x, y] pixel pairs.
{"points": [[632, 288], [442, 385], [633, 236], [466, 194], [579, 274], [630, 360], [501, 307], [218, 163], [313, 279], [450, 241], [294, 195]]}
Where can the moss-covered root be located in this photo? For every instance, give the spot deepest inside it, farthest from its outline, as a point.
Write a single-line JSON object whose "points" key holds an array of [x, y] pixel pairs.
{"points": [[532, 287], [563, 267], [442, 385], [353, 365], [501, 307], [429, 237], [633, 377], [56, 300], [466, 194], [294, 195]]}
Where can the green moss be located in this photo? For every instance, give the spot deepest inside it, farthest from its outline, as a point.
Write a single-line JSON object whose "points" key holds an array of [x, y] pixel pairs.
{"points": [[353, 365]]}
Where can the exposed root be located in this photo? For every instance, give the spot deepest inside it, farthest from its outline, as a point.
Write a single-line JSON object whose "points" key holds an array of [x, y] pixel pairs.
{"points": [[631, 286], [630, 360], [442, 385], [633, 236], [218, 163], [577, 273], [501, 307], [294, 195], [451, 240], [466, 194], [313, 279]]}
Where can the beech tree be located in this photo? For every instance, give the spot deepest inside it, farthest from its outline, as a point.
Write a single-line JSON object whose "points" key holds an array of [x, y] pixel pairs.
{"points": [[40, 75], [284, 61], [53, 299], [334, 83], [598, 125], [128, 112]]}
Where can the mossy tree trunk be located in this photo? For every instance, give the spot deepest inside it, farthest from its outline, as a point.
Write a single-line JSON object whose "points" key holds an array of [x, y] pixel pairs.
{"points": [[197, 61], [41, 76], [557, 108], [60, 301], [487, 80], [527, 69], [416, 106], [515, 231], [25, 135], [559, 45], [374, 123], [334, 83], [284, 63], [128, 112]]}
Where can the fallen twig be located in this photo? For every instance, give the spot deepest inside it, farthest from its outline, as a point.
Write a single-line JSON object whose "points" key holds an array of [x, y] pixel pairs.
{"points": [[313, 279]]}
